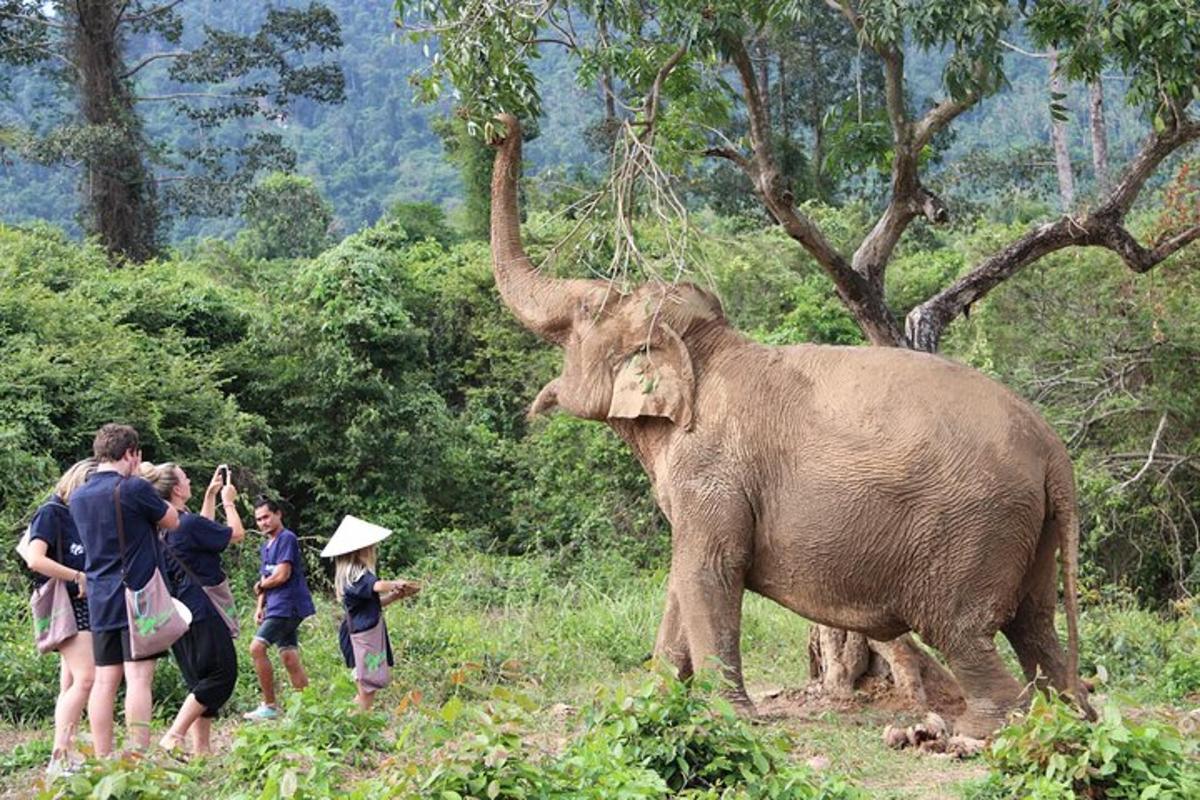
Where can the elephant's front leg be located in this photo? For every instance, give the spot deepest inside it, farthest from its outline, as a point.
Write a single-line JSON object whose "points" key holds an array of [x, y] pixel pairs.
{"points": [[702, 625], [671, 644]]}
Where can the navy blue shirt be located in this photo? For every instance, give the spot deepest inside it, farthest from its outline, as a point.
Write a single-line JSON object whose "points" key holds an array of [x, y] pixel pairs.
{"points": [[49, 521], [198, 542], [292, 599], [363, 609], [95, 516]]}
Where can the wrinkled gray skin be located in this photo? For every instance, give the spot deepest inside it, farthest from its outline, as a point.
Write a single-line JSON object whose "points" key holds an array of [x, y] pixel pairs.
{"points": [[873, 489]]}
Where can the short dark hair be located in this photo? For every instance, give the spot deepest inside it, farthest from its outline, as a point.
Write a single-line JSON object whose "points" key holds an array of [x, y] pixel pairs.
{"points": [[263, 500], [114, 440]]}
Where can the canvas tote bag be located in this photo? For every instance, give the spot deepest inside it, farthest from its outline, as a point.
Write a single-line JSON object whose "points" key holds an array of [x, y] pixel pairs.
{"points": [[220, 595], [53, 616], [154, 621], [370, 655]]}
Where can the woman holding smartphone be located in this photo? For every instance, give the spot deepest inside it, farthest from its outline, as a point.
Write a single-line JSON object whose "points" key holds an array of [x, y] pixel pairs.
{"points": [[206, 654]]}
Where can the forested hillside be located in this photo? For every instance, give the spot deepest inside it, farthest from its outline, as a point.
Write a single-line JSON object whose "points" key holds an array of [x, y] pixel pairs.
{"points": [[380, 146]]}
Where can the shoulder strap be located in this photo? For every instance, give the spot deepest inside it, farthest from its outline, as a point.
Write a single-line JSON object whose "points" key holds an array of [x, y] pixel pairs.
{"points": [[121, 530], [187, 570], [183, 564], [58, 549]]}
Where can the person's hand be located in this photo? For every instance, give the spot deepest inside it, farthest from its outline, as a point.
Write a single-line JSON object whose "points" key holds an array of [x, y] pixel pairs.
{"points": [[406, 588], [259, 615], [214, 486], [228, 493], [81, 582], [258, 587]]}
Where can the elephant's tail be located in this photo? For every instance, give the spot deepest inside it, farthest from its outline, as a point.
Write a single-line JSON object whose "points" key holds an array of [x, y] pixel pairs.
{"points": [[1065, 519]]}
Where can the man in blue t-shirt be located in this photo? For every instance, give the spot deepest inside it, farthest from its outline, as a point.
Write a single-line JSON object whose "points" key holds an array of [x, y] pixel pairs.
{"points": [[109, 569], [283, 603]]}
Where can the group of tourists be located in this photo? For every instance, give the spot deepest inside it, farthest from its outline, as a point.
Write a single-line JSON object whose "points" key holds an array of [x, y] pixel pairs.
{"points": [[123, 571]]}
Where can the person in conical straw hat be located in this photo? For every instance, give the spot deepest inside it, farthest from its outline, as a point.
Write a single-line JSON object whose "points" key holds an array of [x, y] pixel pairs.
{"points": [[363, 634]]}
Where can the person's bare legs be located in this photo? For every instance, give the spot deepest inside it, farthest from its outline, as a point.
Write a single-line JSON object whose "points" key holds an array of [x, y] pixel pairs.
{"points": [[264, 671], [291, 662], [75, 683], [100, 707], [189, 714], [139, 676], [364, 698], [79, 672], [202, 736]]}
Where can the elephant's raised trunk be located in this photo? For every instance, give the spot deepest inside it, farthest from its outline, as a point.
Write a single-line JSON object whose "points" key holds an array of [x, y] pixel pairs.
{"points": [[543, 305]]}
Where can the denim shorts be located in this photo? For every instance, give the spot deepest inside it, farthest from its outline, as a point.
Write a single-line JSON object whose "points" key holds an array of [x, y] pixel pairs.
{"points": [[280, 631]]}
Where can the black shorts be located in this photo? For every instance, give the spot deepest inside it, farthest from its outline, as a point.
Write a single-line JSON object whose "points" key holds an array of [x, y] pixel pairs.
{"points": [[112, 648], [280, 631], [208, 661]]}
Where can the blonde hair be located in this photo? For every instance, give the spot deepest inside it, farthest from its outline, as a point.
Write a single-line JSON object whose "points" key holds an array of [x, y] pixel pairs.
{"points": [[162, 477], [75, 476], [349, 567]]}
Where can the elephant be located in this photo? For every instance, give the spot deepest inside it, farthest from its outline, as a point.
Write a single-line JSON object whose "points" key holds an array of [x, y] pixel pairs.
{"points": [[873, 489]]}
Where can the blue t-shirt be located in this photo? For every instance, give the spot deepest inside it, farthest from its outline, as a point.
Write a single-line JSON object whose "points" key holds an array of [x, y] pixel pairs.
{"points": [[361, 602], [49, 521], [95, 516], [363, 608], [292, 598], [198, 542]]}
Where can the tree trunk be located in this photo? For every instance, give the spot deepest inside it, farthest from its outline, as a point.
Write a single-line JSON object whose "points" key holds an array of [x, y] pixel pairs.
{"points": [[764, 75], [1058, 135], [1099, 137], [119, 193]]}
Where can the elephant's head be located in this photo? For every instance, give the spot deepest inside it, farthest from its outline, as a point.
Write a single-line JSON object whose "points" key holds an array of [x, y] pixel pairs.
{"points": [[626, 355]]}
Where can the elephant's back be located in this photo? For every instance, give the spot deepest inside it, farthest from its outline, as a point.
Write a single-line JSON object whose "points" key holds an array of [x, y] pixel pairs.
{"points": [[896, 395]]}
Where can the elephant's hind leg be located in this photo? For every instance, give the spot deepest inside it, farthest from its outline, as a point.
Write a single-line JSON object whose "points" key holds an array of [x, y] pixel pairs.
{"points": [[990, 691], [1031, 630]]}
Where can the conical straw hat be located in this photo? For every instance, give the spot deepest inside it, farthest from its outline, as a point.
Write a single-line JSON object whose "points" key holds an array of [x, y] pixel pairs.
{"points": [[353, 534]]}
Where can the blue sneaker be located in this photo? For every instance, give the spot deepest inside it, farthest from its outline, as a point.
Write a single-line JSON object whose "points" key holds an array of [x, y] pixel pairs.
{"points": [[262, 714]]}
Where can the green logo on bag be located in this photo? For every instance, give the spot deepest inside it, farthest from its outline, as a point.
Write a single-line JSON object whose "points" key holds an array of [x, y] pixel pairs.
{"points": [[374, 661], [42, 624], [148, 624]]}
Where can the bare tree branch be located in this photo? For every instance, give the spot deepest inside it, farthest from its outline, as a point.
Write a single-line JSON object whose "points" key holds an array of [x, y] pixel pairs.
{"points": [[1103, 227], [1162, 422], [1143, 165], [45, 23], [939, 117], [129, 73], [154, 12], [864, 299]]}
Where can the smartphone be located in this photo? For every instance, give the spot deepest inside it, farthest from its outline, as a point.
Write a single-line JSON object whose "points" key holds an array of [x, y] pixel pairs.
{"points": [[223, 471]]}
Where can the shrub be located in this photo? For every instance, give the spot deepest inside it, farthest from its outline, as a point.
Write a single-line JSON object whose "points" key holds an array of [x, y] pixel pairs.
{"points": [[1052, 753], [304, 754], [28, 681]]}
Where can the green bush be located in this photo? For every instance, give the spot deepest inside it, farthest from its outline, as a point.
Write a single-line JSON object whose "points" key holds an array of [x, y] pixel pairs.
{"points": [[1051, 753], [28, 681], [305, 754], [665, 739]]}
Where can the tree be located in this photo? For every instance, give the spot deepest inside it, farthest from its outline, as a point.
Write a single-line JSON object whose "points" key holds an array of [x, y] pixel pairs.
{"points": [[286, 217], [110, 56], [675, 56]]}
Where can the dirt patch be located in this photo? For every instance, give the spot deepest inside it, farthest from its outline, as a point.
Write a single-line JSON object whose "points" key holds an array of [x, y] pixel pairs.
{"points": [[876, 695]]}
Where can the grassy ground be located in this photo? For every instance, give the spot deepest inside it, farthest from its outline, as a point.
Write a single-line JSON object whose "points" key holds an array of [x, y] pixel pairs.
{"points": [[555, 633]]}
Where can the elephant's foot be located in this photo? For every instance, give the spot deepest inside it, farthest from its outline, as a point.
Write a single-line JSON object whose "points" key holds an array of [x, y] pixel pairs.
{"points": [[741, 702], [981, 719]]}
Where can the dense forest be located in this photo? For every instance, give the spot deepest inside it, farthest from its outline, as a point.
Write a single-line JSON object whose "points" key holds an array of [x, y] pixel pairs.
{"points": [[322, 315]]}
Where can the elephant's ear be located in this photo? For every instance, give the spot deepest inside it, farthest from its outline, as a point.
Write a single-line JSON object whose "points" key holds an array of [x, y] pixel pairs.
{"points": [[656, 381]]}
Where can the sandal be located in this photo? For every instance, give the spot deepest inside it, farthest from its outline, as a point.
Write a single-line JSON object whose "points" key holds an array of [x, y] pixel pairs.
{"points": [[172, 746]]}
